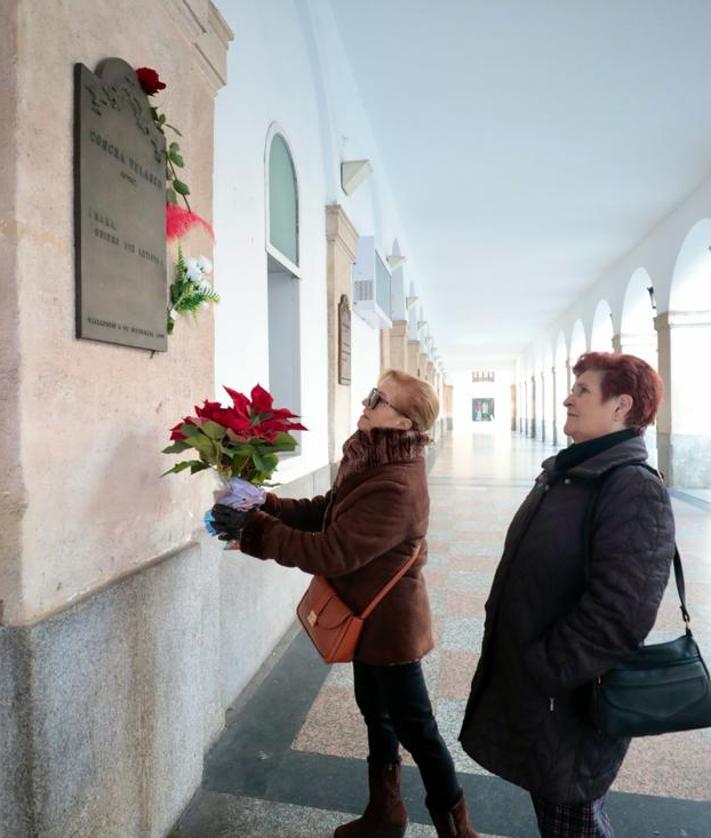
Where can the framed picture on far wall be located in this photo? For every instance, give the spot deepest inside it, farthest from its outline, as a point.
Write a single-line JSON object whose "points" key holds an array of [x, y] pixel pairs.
{"points": [[483, 375], [482, 410]]}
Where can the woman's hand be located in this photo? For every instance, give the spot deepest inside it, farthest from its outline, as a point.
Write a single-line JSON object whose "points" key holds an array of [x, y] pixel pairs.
{"points": [[228, 522]]}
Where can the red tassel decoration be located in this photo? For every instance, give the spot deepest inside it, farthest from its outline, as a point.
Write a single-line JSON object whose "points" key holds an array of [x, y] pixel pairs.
{"points": [[178, 221]]}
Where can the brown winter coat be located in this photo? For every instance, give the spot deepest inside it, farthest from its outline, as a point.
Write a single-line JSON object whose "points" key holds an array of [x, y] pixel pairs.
{"points": [[549, 633], [358, 535]]}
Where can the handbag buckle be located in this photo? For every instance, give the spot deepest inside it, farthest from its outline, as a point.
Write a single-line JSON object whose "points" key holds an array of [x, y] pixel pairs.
{"points": [[311, 619]]}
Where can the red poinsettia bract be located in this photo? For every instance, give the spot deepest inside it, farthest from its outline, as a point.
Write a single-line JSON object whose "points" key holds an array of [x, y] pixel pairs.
{"points": [[248, 419], [243, 440]]}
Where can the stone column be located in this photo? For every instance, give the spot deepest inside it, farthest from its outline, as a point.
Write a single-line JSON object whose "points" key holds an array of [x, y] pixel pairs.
{"points": [[663, 328], [111, 685], [430, 372], [533, 407], [554, 402], [385, 350], [398, 345], [342, 242], [544, 414], [422, 365], [642, 345], [683, 438], [448, 398], [413, 357]]}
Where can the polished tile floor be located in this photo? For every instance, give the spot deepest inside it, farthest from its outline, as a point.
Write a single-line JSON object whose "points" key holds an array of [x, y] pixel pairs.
{"points": [[291, 768]]}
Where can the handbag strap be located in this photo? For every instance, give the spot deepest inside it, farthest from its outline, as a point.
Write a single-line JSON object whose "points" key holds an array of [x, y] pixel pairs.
{"points": [[398, 576], [587, 538]]}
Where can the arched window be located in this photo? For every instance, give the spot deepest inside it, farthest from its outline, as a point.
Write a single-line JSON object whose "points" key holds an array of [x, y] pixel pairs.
{"points": [[283, 203], [282, 246]]}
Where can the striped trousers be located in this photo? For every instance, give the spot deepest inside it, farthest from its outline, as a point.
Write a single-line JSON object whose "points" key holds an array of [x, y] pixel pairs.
{"points": [[579, 820]]}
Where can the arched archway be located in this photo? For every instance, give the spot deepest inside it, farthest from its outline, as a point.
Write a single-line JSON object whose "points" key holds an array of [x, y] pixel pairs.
{"points": [[691, 280], [578, 342], [602, 331], [560, 378], [637, 335], [547, 396], [283, 271], [683, 429]]}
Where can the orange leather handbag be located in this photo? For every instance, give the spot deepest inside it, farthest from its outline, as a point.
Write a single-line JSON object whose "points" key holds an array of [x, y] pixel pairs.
{"points": [[332, 625]]}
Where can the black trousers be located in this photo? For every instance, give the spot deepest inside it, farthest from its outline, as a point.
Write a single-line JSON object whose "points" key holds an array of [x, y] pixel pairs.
{"points": [[397, 710]]}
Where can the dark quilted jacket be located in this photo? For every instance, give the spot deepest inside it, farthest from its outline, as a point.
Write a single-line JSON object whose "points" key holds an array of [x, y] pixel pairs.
{"points": [[548, 633]]}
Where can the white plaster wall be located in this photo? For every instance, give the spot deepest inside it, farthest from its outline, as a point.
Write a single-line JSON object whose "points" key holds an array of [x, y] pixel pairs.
{"points": [[268, 91], [365, 364], [93, 417], [312, 97], [287, 72]]}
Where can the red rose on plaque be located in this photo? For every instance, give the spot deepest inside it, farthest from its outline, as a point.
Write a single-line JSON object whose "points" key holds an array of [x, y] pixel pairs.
{"points": [[149, 80]]}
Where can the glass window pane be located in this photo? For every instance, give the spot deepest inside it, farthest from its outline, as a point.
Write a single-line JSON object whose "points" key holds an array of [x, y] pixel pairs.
{"points": [[283, 201]]}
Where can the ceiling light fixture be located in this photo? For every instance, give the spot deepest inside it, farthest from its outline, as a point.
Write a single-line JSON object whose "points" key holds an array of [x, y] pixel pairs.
{"points": [[353, 173]]}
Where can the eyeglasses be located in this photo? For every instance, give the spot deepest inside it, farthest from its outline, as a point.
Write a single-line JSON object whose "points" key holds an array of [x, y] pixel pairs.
{"points": [[374, 398]]}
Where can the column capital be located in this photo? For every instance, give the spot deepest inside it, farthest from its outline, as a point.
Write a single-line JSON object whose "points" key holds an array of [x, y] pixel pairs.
{"points": [[681, 319], [340, 229]]}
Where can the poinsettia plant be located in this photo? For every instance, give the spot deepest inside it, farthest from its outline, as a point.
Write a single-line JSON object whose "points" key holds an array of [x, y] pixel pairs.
{"points": [[241, 441]]}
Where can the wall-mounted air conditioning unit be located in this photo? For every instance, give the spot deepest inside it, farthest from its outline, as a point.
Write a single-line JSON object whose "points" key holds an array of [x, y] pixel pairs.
{"points": [[371, 285]]}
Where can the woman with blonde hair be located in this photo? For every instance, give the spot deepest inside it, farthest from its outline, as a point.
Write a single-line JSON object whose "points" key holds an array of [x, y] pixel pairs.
{"points": [[358, 536]]}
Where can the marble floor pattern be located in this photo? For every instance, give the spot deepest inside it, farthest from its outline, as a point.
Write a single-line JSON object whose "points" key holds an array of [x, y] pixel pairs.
{"points": [[295, 770]]}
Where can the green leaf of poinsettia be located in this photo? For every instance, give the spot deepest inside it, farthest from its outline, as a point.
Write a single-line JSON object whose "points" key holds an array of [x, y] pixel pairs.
{"points": [[213, 430], [178, 467], [203, 444], [259, 463], [186, 429], [176, 447]]}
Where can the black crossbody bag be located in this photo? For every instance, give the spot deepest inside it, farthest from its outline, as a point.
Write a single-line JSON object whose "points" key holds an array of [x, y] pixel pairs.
{"points": [[660, 688]]}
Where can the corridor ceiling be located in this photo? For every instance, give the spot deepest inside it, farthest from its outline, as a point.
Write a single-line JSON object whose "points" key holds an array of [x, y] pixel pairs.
{"points": [[529, 145]]}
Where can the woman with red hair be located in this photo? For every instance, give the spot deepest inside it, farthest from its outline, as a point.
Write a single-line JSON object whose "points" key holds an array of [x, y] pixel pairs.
{"points": [[562, 612]]}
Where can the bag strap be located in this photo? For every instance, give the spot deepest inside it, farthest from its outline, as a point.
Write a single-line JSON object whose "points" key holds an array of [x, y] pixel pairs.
{"points": [[587, 537], [391, 584]]}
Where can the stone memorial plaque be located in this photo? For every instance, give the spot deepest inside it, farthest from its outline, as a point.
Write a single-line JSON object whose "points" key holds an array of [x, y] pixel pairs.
{"points": [[119, 210], [344, 341]]}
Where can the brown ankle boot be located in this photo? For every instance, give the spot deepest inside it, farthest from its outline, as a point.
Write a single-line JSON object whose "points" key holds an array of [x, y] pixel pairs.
{"points": [[385, 816], [453, 822]]}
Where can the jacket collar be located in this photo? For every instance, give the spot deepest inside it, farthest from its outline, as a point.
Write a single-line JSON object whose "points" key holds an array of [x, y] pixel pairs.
{"points": [[381, 446], [629, 451]]}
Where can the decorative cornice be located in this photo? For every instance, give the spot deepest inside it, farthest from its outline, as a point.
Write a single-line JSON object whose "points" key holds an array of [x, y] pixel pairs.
{"points": [[208, 32], [339, 228], [680, 319]]}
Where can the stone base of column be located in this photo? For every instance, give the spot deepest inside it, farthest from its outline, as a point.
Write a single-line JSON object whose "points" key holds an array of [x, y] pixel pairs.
{"points": [[685, 460]]}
